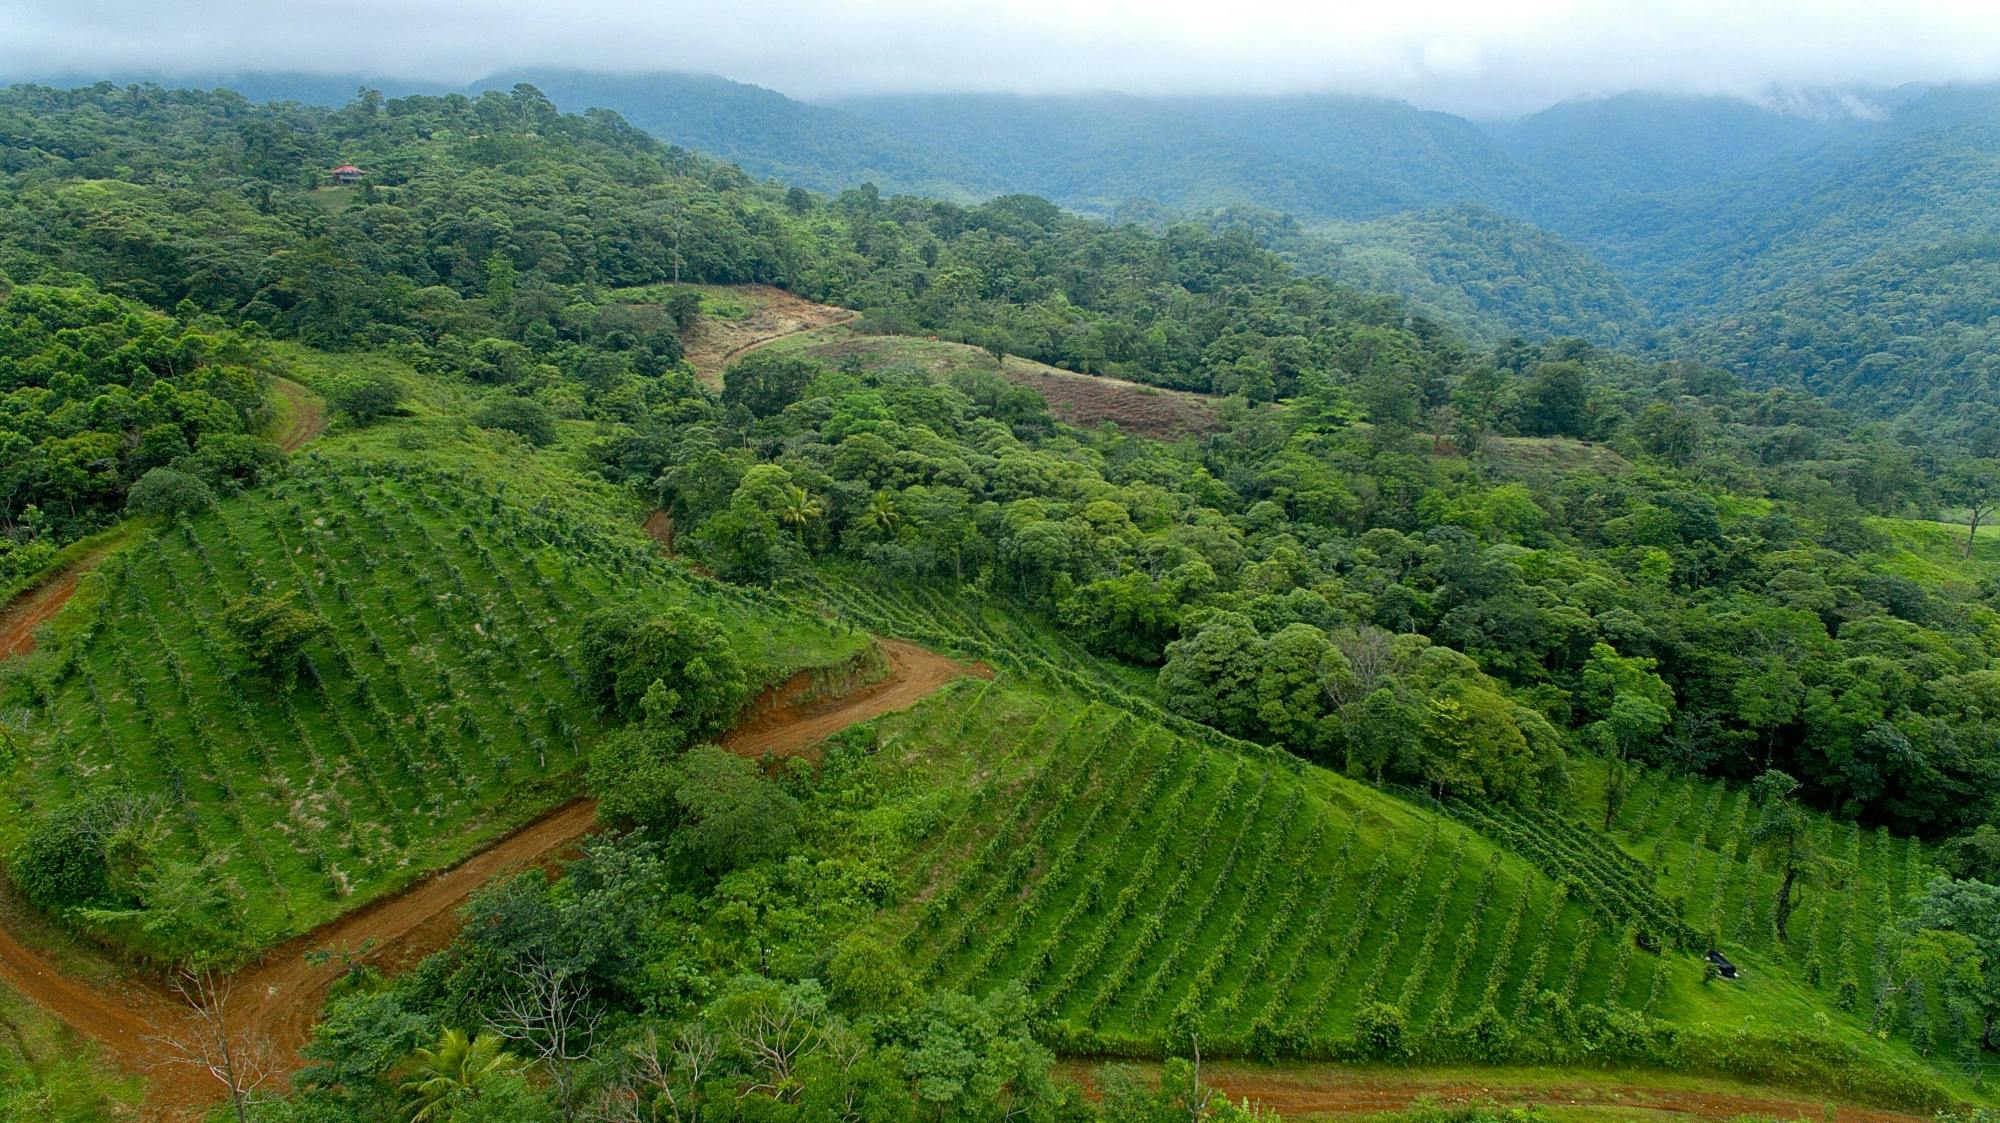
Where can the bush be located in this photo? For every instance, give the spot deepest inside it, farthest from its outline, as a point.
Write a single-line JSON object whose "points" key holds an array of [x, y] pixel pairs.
{"points": [[273, 632], [1378, 1032], [730, 815], [631, 772], [526, 416], [164, 491], [366, 397], [67, 859]]}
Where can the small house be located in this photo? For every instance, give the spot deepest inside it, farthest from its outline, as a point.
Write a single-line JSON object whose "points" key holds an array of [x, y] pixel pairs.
{"points": [[346, 175], [1722, 966]]}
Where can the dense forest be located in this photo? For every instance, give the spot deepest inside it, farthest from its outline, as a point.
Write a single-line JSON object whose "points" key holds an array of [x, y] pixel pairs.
{"points": [[1481, 594]]}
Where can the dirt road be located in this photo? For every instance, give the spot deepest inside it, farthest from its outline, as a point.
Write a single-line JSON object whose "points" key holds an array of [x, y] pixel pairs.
{"points": [[279, 997], [307, 418], [713, 344], [39, 605], [1307, 1091]]}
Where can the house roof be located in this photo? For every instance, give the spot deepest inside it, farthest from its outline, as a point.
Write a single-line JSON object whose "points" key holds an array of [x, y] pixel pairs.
{"points": [[347, 168]]}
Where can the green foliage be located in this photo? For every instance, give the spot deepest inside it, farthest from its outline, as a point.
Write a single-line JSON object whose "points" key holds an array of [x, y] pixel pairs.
{"points": [[728, 814], [526, 416], [368, 396], [674, 668], [164, 491], [273, 632], [765, 383], [445, 1079]]}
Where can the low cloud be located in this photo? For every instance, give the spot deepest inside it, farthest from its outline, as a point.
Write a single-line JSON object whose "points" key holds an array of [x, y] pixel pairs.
{"points": [[1481, 58]]}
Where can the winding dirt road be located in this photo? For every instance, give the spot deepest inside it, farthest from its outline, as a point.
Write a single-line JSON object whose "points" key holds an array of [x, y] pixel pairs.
{"points": [[712, 344], [1307, 1091], [39, 605], [278, 998]]}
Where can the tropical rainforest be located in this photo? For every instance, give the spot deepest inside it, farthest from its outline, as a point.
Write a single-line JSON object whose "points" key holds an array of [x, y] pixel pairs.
{"points": [[1473, 674]]}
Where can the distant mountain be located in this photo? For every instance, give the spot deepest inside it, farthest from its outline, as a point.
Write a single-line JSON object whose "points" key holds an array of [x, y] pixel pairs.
{"points": [[1801, 239], [766, 133], [1490, 275], [1094, 152]]}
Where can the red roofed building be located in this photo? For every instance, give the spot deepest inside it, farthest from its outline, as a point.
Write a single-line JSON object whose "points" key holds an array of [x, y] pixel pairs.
{"points": [[346, 175]]}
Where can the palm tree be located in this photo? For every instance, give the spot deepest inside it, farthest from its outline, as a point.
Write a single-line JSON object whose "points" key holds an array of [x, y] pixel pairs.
{"points": [[882, 515], [457, 1069], [800, 507]]}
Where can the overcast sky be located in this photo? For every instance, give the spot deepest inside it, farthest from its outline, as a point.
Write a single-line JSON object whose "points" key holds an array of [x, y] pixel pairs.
{"points": [[1484, 58]]}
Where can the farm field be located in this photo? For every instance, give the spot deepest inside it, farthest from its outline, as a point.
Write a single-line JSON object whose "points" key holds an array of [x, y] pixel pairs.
{"points": [[439, 710], [1151, 883]]}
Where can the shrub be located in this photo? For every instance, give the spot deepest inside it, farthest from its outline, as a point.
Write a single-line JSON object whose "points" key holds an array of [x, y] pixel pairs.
{"points": [[273, 632], [164, 491], [765, 384], [1378, 1031], [366, 397], [526, 416], [67, 859]]}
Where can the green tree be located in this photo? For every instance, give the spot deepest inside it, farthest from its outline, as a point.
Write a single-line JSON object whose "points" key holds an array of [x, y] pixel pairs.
{"points": [[456, 1071], [526, 416], [1782, 833], [765, 383], [675, 667], [730, 816], [273, 632]]}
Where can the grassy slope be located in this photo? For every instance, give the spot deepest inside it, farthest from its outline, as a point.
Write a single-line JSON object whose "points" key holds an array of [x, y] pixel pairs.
{"points": [[440, 712], [49, 1075], [1143, 881]]}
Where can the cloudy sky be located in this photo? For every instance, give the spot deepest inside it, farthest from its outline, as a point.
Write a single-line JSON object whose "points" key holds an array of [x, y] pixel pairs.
{"points": [[1485, 57]]}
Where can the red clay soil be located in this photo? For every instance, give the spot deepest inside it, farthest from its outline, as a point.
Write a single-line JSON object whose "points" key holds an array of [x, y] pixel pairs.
{"points": [[712, 344], [1298, 1092], [1086, 399], [39, 605], [278, 998], [308, 417], [660, 527], [788, 730]]}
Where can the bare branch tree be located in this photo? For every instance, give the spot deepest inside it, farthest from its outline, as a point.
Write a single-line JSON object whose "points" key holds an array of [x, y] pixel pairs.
{"points": [[659, 1086], [234, 1057], [1370, 655], [546, 1008], [777, 1035]]}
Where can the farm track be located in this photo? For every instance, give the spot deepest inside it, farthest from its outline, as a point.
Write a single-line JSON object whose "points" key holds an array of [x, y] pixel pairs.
{"points": [[278, 998], [712, 345], [38, 605], [1302, 1091], [308, 416]]}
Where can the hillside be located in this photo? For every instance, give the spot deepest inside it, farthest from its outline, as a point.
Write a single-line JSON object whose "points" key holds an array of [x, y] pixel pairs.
{"points": [[438, 711], [1367, 693]]}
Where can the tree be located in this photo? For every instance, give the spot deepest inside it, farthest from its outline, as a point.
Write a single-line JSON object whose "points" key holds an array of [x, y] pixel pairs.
{"points": [[211, 1042], [368, 396], [455, 1070], [675, 667], [1782, 833], [273, 632], [1972, 483], [545, 1006], [526, 416], [800, 508], [164, 491], [730, 816], [764, 383]]}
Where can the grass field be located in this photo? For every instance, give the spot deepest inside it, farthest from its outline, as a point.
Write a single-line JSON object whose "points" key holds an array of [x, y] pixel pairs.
{"points": [[441, 709], [50, 1076]]}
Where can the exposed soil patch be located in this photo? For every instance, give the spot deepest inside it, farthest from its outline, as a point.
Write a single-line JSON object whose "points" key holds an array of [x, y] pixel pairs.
{"points": [[713, 344], [1087, 399], [660, 528], [795, 728], [37, 606], [279, 997], [1315, 1092], [306, 418]]}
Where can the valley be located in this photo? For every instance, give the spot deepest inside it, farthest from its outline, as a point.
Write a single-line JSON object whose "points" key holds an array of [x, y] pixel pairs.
{"points": [[689, 640]]}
